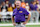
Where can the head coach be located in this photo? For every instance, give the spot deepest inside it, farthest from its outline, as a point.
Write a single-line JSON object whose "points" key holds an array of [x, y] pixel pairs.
{"points": [[19, 14]]}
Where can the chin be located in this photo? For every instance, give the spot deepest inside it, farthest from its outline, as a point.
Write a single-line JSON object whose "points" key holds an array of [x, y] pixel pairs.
{"points": [[17, 7]]}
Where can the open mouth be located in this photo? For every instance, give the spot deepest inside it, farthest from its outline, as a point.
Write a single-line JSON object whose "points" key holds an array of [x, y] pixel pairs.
{"points": [[17, 5]]}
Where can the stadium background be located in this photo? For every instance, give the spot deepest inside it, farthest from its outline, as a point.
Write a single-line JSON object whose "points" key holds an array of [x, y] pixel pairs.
{"points": [[8, 20], [12, 1]]}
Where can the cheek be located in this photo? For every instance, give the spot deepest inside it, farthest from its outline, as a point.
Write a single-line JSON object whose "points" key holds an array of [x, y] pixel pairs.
{"points": [[20, 4]]}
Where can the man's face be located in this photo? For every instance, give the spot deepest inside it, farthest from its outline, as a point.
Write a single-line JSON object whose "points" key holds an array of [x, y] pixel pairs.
{"points": [[34, 2], [3, 3], [7, 2], [27, 4], [18, 4]]}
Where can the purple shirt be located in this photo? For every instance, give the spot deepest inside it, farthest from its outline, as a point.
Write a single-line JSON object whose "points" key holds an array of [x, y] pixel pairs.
{"points": [[33, 7], [20, 14]]}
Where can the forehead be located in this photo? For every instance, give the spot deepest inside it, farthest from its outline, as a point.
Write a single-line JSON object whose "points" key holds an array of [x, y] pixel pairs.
{"points": [[34, 2], [18, 2]]}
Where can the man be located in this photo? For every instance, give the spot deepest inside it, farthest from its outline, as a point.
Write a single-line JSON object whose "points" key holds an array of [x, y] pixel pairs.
{"points": [[19, 14], [34, 12], [3, 6], [38, 4], [28, 8], [7, 3]]}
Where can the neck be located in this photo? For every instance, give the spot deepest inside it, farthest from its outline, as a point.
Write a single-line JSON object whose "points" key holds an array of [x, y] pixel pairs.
{"points": [[18, 8], [33, 4]]}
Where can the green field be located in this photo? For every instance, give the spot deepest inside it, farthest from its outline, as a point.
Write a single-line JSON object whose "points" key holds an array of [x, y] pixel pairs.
{"points": [[13, 26], [26, 26]]}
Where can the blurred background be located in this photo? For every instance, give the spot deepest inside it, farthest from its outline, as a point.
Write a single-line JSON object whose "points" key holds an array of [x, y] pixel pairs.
{"points": [[7, 7]]}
